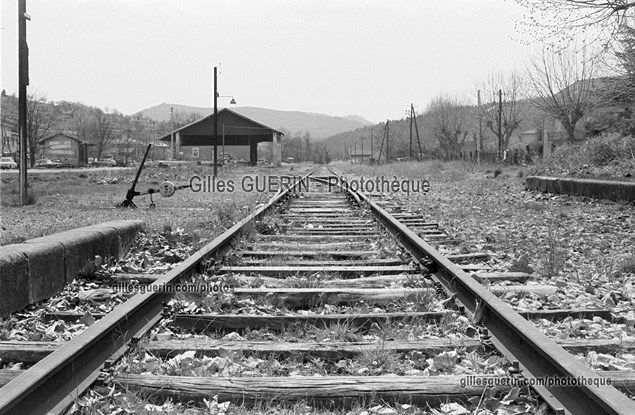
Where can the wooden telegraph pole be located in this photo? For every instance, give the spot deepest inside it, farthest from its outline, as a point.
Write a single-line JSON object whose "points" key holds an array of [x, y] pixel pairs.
{"points": [[371, 145], [500, 122], [479, 142], [355, 151], [411, 111], [387, 133], [23, 81], [381, 146], [172, 150], [413, 117], [362, 139], [216, 122]]}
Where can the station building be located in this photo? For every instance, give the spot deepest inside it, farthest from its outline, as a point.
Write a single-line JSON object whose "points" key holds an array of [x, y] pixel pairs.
{"points": [[238, 138]]}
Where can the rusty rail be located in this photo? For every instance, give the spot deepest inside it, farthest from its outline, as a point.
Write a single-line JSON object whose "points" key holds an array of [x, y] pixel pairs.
{"points": [[56, 381], [538, 356]]}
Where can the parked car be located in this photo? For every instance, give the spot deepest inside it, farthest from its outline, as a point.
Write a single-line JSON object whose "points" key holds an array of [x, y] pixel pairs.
{"points": [[105, 163], [8, 163], [46, 163]]}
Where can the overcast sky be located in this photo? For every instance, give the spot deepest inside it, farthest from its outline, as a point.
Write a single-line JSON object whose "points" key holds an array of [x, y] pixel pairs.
{"points": [[337, 57]]}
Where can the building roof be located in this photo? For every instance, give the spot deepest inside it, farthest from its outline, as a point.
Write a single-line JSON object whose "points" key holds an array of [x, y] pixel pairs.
{"points": [[64, 135], [248, 127]]}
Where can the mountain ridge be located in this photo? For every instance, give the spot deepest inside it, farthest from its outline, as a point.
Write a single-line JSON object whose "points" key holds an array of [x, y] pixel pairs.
{"points": [[320, 126]]}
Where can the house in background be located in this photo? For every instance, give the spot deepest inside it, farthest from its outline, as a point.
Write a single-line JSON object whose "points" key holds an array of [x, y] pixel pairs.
{"points": [[68, 150], [10, 141]]}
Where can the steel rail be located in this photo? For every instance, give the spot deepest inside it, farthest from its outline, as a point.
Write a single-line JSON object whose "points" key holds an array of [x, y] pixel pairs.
{"points": [[56, 381], [541, 356]]}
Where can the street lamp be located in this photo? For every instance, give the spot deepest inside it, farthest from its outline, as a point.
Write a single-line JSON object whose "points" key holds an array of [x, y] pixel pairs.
{"points": [[216, 96]]}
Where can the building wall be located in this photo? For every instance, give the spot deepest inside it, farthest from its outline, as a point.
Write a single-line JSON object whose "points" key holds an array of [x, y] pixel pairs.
{"points": [[10, 142], [194, 142], [62, 148], [206, 153], [271, 151]]}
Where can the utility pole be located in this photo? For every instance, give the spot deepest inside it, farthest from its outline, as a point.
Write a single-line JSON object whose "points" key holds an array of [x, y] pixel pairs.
{"points": [[215, 123], [355, 152], [500, 122], [362, 139], [387, 134], [23, 81], [479, 142], [371, 143], [172, 150], [411, 111], [381, 147]]}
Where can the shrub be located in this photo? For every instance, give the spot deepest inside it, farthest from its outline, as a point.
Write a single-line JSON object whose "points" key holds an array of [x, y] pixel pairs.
{"points": [[605, 155], [604, 149]]}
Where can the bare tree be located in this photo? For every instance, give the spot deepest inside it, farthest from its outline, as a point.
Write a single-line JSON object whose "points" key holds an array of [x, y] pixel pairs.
{"points": [[558, 22], [307, 144], [182, 118], [38, 123], [620, 90], [503, 113], [80, 122], [563, 86], [448, 116], [292, 146], [284, 142], [101, 131], [625, 66]]}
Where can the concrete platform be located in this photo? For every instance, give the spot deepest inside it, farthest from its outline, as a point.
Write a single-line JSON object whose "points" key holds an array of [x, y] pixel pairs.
{"points": [[39, 268], [600, 189]]}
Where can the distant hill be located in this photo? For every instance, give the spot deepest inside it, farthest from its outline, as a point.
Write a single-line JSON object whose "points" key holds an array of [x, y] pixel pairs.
{"points": [[319, 125]]}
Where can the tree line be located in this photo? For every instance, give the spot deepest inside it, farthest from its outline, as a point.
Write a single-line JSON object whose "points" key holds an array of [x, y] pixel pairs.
{"points": [[583, 89], [300, 147], [107, 131]]}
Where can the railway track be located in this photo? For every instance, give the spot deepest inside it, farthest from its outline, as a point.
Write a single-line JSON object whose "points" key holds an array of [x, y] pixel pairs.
{"points": [[345, 282]]}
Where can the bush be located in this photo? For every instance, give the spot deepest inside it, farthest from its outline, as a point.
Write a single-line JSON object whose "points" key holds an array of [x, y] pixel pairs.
{"points": [[606, 148], [607, 155]]}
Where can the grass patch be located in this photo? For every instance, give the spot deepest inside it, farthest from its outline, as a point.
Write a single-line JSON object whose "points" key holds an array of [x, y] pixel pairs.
{"points": [[10, 195], [343, 332], [67, 200], [555, 255]]}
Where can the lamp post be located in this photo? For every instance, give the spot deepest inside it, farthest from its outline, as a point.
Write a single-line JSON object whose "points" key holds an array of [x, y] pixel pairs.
{"points": [[215, 123], [172, 150], [216, 96]]}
